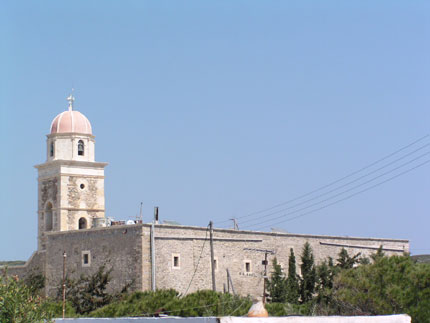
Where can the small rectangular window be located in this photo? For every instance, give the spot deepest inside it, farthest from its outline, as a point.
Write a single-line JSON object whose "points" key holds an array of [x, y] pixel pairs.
{"points": [[86, 258], [247, 266], [176, 261]]}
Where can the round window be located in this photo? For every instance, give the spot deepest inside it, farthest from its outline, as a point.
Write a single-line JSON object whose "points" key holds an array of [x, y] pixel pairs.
{"points": [[82, 186]]}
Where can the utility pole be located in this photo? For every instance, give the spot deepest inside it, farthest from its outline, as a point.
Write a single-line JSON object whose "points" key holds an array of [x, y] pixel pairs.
{"points": [[265, 277], [154, 221], [64, 283], [265, 263], [212, 255], [230, 283]]}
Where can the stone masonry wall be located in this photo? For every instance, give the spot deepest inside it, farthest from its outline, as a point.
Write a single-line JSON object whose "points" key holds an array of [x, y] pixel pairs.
{"points": [[83, 198], [34, 266], [119, 248], [188, 243], [48, 192], [126, 249]]}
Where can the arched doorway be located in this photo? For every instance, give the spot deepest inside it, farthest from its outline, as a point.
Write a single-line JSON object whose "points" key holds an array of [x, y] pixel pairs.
{"points": [[48, 217], [82, 223]]}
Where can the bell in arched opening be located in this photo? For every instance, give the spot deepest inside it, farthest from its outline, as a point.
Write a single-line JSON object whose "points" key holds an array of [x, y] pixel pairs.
{"points": [[82, 223]]}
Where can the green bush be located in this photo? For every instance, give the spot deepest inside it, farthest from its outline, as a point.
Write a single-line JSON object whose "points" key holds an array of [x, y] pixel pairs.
{"points": [[200, 303], [209, 303], [18, 303], [284, 309], [390, 285], [56, 309], [137, 304]]}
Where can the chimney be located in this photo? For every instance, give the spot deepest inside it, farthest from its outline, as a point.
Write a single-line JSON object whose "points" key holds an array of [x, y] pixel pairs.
{"points": [[156, 214]]}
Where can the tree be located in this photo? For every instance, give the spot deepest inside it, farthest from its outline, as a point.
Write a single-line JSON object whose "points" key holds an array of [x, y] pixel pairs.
{"points": [[345, 261], [89, 292], [18, 303], [378, 255], [390, 285], [326, 272], [35, 282], [277, 286], [292, 280], [324, 276], [308, 279]]}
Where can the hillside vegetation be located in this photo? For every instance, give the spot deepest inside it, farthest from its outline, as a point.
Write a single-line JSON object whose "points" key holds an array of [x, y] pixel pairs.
{"points": [[12, 263]]}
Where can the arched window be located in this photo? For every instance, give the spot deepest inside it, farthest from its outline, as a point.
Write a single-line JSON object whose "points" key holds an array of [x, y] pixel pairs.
{"points": [[48, 217], [80, 148], [82, 223], [51, 152]]}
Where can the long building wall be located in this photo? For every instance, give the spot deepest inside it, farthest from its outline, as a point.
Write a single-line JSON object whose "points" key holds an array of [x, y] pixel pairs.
{"points": [[182, 255], [240, 253]]}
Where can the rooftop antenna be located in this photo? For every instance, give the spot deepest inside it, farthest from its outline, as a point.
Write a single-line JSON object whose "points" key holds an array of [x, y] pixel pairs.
{"points": [[140, 214], [71, 99], [235, 225]]}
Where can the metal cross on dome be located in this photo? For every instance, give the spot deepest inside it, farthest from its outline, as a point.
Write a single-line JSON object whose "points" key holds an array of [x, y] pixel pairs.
{"points": [[71, 99]]}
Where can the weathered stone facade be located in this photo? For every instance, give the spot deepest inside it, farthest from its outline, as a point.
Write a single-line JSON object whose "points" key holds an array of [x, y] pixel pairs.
{"points": [[71, 186], [229, 250], [71, 204], [126, 249]]}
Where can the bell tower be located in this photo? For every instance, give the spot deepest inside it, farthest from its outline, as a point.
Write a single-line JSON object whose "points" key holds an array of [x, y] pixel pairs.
{"points": [[70, 182]]}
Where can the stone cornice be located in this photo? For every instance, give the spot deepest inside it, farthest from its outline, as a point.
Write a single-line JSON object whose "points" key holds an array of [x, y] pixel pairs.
{"points": [[40, 179], [72, 209], [298, 235], [255, 234], [343, 245], [205, 238], [79, 163], [70, 134], [80, 209]]}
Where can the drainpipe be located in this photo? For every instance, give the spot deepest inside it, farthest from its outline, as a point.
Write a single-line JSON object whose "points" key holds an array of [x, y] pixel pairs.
{"points": [[153, 249]]}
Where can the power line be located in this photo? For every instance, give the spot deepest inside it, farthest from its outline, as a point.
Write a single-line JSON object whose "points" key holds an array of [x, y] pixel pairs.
{"points": [[185, 309], [241, 304], [345, 198], [343, 192], [344, 185], [331, 183], [198, 261]]}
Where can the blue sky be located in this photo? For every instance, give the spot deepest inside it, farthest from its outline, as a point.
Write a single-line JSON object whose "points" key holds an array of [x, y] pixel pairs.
{"points": [[217, 109]]}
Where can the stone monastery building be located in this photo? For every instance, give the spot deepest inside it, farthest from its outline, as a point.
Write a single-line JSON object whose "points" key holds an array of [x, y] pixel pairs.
{"points": [[71, 220]]}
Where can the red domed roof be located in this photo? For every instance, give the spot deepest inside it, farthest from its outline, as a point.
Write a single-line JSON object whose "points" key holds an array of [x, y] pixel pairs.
{"points": [[71, 121]]}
